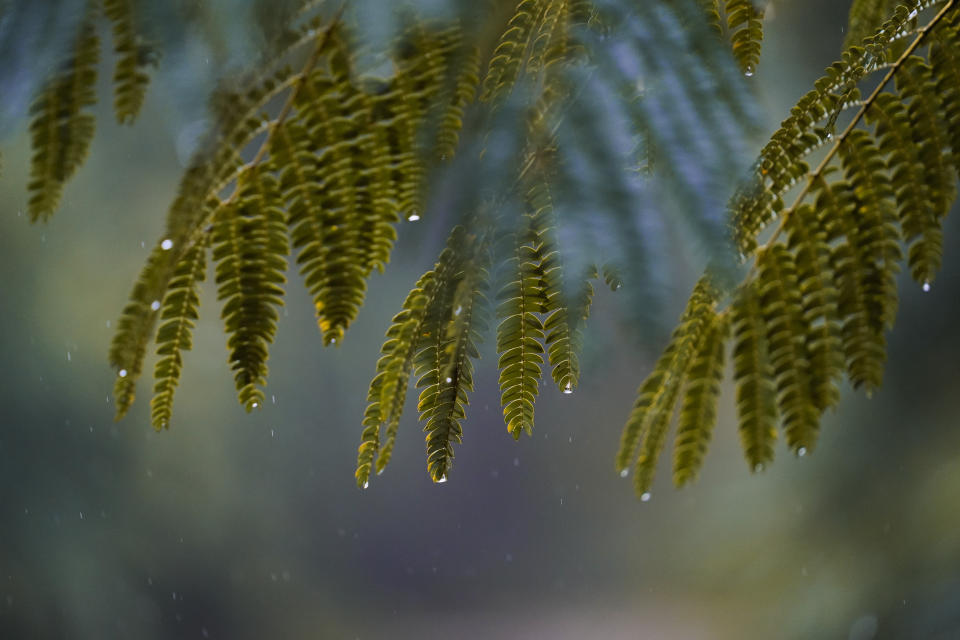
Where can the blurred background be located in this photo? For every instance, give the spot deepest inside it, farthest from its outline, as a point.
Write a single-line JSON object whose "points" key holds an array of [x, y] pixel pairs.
{"points": [[250, 526]]}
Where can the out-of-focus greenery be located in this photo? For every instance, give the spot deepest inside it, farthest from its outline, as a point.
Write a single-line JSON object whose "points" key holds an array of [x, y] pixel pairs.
{"points": [[236, 526]]}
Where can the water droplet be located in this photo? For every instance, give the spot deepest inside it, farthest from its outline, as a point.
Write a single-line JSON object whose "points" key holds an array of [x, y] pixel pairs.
{"points": [[68, 356], [757, 468], [413, 217], [748, 72], [122, 373], [926, 287], [449, 379], [155, 305], [645, 496], [333, 341], [442, 479], [273, 399], [143, 245], [273, 433], [81, 515], [802, 451], [167, 244], [255, 405], [567, 390], [624, 473], [457, 311], [366, 483]]}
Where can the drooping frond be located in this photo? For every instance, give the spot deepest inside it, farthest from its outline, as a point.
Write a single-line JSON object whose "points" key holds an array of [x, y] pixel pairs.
{"points": [[787, 331], [537, 34], [453, 326], [822, 293], [754, 376], [314, 156], [62, 128], [250, 248], [133, 56], [698, 412], [745, 26], [520, 334], [388, 389], [646, 428], [178, 313]]}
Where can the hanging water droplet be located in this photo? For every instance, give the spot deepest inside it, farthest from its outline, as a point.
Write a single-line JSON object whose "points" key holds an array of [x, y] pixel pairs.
{"points": [[155, 305], [255, 405], [802, 451], [926, 287], [413, 217], [748, 72], [449, 379], [333, 341], [442, 479], [645, 496], [122, 373], [366, 483], [457, 311], [167, 244], [757, 468], [624, 473], [567, 390]]}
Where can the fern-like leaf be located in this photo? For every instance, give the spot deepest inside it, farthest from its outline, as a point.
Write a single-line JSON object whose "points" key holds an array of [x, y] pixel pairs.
{"points": [[698, 413], [250, 248], [754, 376], [61, 129], [520, 337], [452, 328], [645, 432], [133, 56], [178, 313], [745, 25]]}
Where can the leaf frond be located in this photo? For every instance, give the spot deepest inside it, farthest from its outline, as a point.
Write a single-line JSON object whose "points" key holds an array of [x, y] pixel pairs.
{"points": [[62, 126]]}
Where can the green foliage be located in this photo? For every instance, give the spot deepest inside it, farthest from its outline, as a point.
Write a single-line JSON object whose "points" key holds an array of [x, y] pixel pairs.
{"points": [[62, 126], [819, 298], [310, 155], [133, 56], [61, 129]]}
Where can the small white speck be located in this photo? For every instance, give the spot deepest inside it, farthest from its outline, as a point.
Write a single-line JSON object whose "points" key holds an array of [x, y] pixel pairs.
{"points": [[757, 468], [366, 483], [442, 480], [567, 390], [108, 324], [624, 473], [449, 379], [645, 496], [516, 462], [167, 244], [926, 287], [802, 451], [413, 217], [122, 373], [155, 305], [457, 311], [143, 245], [68, 356], [255, 405], [81, 515]]}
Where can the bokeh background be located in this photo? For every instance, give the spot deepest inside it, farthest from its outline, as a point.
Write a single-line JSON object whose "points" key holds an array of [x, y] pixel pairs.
{"points": [[250, 526]]}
